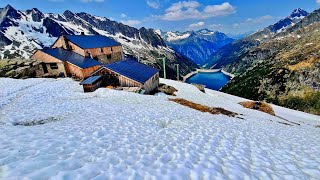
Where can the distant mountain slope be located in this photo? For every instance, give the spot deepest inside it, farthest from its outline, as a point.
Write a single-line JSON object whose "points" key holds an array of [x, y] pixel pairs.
{"points": [[198, 45], [233, 52], [21, 32], [284, 70]]}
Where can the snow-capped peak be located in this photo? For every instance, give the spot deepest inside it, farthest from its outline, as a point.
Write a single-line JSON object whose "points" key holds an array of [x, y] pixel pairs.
{"points": [[35, 10], [205, 31], [298, 14], [9, 7], [8, 12], [289, 21], [32, 29], [176, 36], [158, 31]]}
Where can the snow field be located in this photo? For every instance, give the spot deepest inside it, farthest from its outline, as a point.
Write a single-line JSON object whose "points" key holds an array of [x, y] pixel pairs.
{"points": [[119, 135]]}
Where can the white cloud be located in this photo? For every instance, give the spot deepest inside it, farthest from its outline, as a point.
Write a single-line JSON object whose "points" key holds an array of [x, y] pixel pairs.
{"points": [[183, 4], [155, 4], [318, 1], [123, 15], [196, 25], [254, 23], [217, 26], [131, 22], [219, 10], [87, 1], [236, 25], [191, 10], [182, 10], [259, 19]]}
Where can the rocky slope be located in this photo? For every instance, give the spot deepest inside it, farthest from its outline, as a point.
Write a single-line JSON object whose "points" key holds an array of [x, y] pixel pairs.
{"points": [[283, 70], [20, 68], [21, 32], [196, 45], [233, 52]]}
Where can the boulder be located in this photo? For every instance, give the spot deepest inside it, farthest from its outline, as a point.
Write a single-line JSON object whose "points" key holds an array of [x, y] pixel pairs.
{"points": [[169, 90], [200, 87]]}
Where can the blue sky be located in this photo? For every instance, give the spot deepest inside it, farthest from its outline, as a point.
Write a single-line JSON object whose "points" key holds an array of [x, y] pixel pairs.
{"points": [[229, 16]]}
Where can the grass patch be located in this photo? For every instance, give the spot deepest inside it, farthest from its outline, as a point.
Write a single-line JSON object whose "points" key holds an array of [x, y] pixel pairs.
{"points": [[260, 106], [308, 101], [202, 108]]}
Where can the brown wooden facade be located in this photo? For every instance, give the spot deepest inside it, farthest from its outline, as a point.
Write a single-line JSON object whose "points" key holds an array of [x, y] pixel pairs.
{"points": [[115, 79], [152, 83], [50, 65], [91, 87], [55, 67], [75, 71], [104, 55]]}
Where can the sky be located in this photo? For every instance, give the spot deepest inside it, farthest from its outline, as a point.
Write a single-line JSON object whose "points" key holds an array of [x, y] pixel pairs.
{"points": [[228, 16]]}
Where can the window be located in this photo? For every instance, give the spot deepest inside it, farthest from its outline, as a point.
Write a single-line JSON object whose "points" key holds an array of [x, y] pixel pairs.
{"points": [[101, 50], [53, 66], [90, 55], [111, 49], [109, 56]]}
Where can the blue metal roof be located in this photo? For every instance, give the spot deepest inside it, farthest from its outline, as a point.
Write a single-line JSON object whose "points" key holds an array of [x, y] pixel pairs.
{"points": [[132, 69], [72, 57], [90, 80], [92, 41]]}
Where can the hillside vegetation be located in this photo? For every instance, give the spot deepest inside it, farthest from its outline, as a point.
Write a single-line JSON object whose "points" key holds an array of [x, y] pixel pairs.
{"points": [[284, 71]]}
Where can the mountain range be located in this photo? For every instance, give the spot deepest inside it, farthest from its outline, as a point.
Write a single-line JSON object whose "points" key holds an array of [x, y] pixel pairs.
{"points": [[233, 51], [279, 64], [199, 45], [22, 32]]}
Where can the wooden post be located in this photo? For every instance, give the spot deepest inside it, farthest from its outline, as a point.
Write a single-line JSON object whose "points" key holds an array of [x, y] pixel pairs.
{"points": [[177, 72], [164, 68]]}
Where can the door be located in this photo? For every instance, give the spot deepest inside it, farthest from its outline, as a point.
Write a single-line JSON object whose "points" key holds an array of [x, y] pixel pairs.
{"points": [[44, 67]]}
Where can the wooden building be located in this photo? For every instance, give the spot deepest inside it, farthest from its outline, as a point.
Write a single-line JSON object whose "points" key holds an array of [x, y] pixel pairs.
{"points": [[129, 73], [91, 84], [82, 57], [101, 48], [60, 62]]}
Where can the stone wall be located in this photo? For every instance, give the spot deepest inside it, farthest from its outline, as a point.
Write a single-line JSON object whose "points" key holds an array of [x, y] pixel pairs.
{"points": [[20, 68]]}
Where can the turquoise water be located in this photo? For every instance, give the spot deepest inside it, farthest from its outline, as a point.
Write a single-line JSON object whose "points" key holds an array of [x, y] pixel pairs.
{"points": [[211, 80]]}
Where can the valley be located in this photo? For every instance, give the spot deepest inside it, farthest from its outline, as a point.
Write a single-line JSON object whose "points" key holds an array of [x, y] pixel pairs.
{"points": [[199, 45], [211, 80]]}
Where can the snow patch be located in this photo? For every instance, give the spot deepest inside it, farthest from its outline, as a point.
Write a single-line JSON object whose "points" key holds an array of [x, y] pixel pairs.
{"points": [[111, 134], [171, 36]]}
